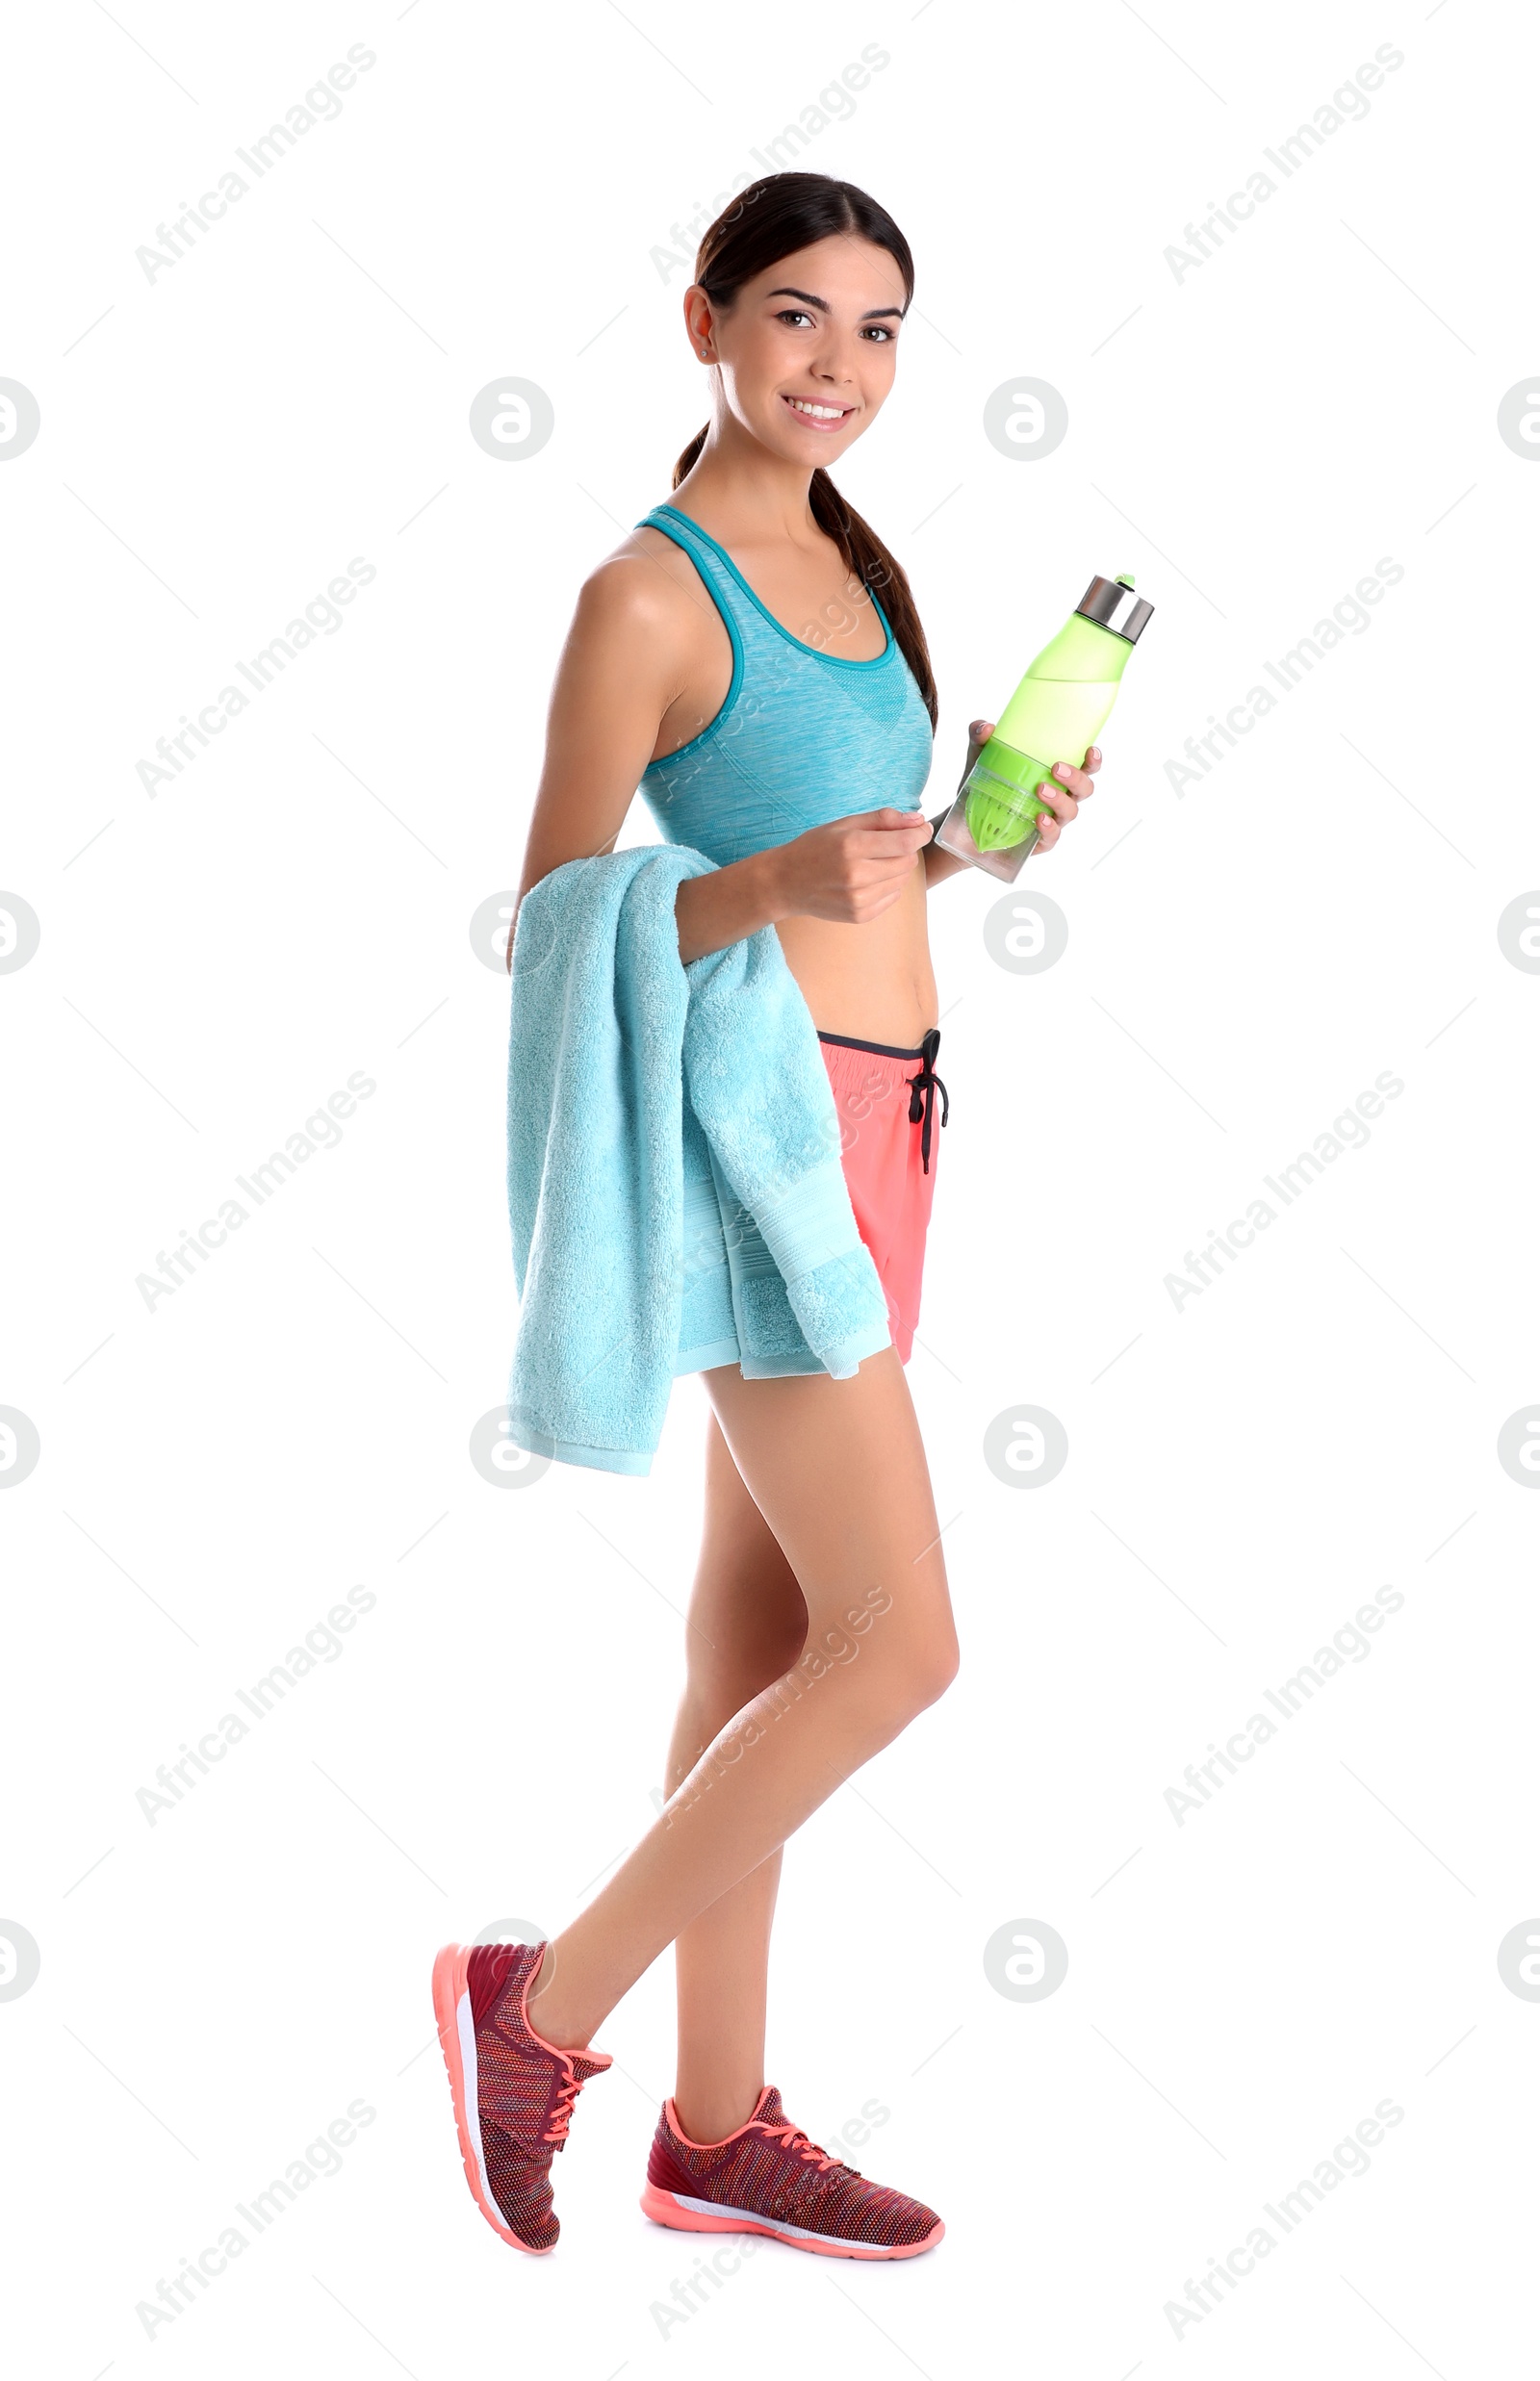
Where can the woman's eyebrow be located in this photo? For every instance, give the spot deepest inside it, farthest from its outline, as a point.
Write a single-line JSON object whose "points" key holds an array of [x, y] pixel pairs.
{"points": [[872, 314]]}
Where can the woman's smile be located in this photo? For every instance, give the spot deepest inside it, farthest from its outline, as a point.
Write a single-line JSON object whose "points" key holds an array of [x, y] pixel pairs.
{"points": [[817, 411]]}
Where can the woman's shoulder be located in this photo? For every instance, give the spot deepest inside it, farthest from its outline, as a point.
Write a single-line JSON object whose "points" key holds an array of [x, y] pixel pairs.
{"points": [[645, 585]]}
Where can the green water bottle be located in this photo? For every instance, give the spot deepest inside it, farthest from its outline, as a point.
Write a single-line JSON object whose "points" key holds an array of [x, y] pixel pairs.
{"points": [[1055, 714]]}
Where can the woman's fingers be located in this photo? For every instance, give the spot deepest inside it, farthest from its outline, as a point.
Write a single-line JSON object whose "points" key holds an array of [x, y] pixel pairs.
{"points": [[883, 822], [1065, 791], [896, 839], [1060, 800]]}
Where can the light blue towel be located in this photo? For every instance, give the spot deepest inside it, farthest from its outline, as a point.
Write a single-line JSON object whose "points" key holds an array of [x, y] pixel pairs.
{"points": [[675, 1185]]}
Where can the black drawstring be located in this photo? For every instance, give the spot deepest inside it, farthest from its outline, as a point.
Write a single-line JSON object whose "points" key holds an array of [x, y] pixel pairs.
{"points": [[922, 1094]]}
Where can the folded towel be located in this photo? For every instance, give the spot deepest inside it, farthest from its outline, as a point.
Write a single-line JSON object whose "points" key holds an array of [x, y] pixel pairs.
{"points": [[675, 1186]]}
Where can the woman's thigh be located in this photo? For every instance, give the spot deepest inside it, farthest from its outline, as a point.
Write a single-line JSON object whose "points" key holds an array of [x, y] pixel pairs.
{"points": [[838, 1470]]}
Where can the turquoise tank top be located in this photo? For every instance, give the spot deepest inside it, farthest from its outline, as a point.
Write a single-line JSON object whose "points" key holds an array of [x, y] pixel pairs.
{"points": [[803, 737]]}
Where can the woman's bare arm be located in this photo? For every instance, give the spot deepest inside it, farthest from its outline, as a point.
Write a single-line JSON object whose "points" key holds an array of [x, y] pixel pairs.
{"points": [[611, 691]]}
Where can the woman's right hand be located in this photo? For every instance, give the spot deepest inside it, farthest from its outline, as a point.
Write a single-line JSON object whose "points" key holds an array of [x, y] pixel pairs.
{"points": [[852, 869]]}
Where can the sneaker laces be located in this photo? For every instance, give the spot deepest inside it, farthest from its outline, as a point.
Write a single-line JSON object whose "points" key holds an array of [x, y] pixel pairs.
{"points": [[809, 2150], [883, 2194], [562, 2107]]}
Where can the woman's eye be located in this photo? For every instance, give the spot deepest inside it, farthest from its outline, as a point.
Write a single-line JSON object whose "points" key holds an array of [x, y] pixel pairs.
{"points": [[793, 315]]}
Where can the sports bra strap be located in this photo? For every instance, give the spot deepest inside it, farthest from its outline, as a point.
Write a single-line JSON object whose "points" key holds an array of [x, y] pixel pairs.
{"points": [[704, 552]]}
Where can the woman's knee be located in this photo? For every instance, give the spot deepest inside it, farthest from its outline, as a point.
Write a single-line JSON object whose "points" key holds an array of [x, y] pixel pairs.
{"points": [[930, 1666], [911, 1676], [939, 1666]]}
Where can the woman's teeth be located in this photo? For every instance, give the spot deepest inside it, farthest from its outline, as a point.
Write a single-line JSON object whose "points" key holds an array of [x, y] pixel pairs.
{"points": [[817, 413]]}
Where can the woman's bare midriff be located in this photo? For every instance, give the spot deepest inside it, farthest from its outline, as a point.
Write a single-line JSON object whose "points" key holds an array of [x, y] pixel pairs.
{"points": [[873, 982]]}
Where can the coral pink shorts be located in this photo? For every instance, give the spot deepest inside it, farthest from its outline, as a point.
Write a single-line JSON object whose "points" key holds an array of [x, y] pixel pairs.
{"points": [[884, 1098]]}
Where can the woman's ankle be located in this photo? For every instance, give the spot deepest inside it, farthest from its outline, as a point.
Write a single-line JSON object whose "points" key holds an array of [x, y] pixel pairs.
{"points": [[547, 2010], [705, 2116]]}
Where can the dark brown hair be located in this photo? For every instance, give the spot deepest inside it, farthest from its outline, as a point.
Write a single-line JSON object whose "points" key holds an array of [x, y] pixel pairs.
{"points": [[771, 219]]}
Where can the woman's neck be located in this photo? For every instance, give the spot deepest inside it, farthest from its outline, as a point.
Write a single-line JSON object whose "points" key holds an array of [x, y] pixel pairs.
{"points": [[745, 494]]}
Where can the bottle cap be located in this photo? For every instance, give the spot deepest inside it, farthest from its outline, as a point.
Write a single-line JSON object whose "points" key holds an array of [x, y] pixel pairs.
{"points": [[1112, 603]]}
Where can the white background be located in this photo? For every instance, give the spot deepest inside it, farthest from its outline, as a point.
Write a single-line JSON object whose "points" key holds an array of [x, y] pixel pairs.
{"points": [[1244, 1470]]}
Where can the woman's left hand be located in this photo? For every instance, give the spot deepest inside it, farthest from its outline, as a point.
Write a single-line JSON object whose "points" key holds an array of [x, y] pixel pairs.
{"points": [[1063, 791]]}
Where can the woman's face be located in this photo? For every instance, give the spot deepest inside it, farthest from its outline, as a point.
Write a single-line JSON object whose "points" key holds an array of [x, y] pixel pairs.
{"points": [[806, 351]]}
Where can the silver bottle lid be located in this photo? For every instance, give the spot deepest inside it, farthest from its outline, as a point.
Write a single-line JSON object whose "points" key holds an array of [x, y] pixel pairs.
{"points": [[1112, 603]]}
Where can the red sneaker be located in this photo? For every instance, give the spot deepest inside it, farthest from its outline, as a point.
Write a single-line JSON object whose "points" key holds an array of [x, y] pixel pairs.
{"points": [[768, 2177], [513, 2090]]}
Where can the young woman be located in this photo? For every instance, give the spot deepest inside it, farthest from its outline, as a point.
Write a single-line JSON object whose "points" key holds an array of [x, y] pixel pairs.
{"points": [[734, 657]]}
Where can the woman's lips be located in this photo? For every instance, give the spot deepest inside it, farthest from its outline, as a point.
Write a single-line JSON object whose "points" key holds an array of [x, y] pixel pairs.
{"points": [[817, 422]]}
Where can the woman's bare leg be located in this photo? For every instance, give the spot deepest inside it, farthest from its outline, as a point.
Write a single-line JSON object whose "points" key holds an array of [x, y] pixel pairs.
{"points": [[838, 1468], [747, 1626]]}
